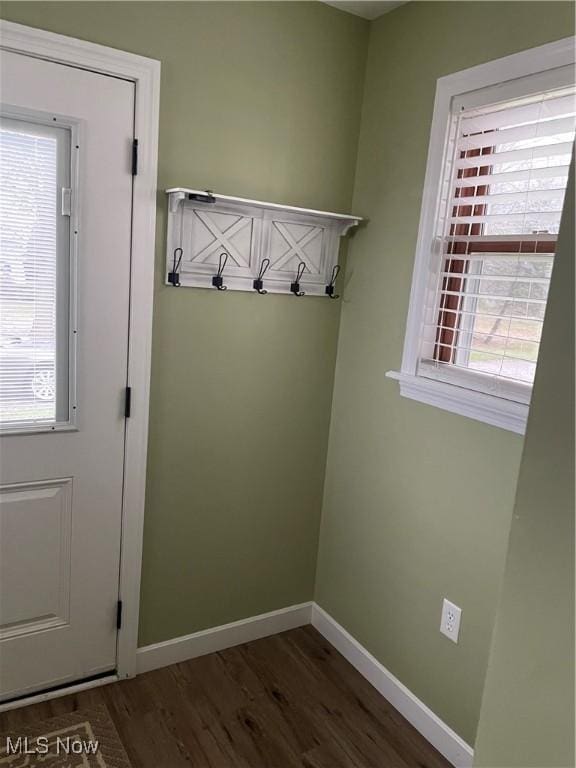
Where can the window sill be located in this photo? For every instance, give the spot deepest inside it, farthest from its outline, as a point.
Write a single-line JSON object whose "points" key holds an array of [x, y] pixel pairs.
{"points": [[496, 411]]}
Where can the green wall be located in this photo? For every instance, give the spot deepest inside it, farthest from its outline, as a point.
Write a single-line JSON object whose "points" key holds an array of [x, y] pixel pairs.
{"points": [[264, 100], [260, 100], [418, 501], [527, 716]]}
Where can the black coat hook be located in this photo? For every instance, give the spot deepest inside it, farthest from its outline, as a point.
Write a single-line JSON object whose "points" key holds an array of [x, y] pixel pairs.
{"points": [[174, 276], [295, 286], [218, 280], [258, 284], [331, 287]]}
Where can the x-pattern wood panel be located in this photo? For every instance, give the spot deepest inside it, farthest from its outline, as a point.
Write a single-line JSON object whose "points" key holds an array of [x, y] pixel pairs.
{"points": [[296, 248], [223, 239]]}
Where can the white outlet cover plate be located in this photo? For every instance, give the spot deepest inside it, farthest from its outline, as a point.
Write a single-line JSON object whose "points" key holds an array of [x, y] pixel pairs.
{"points": [[450, 622]]}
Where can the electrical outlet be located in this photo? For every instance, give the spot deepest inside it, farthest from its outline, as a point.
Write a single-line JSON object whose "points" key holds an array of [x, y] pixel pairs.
{"points": [[450, 622]]}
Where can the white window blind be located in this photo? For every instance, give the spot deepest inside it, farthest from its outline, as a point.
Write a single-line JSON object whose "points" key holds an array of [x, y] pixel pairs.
{"points": [[34, 168], [495, 243]]}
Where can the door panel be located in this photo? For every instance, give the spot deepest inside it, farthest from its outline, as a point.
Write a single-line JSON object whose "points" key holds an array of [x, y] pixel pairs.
{"points": [[61, 488], [35, 523]]}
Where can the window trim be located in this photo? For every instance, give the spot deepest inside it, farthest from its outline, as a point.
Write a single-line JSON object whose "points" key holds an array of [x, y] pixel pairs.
{"points": [[490, 409]]}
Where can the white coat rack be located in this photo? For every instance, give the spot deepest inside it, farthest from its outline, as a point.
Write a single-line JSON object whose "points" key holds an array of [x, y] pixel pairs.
{"points": [[221, 242]]}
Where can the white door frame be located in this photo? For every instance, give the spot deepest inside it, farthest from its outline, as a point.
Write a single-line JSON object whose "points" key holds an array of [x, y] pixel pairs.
{"points": [[145, 74]]}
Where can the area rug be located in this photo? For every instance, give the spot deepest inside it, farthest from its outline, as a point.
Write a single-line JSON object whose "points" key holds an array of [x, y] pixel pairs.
{"points": [[82, 739]]}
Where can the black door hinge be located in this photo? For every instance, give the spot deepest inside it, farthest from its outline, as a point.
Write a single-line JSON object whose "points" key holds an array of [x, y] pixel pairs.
{"points": [[128, 402], [134, 157], [119, 615]]}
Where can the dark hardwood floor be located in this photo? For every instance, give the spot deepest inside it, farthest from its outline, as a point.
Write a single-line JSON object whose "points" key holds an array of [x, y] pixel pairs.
{"points": [[287, 700]]}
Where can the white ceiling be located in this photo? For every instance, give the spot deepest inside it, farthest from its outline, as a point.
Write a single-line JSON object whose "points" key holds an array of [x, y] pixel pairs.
{"points": [[368, 9]]}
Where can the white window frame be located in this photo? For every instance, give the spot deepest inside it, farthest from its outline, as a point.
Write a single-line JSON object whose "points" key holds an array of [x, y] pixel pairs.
{"points": [[457, 398], [145, 74]]}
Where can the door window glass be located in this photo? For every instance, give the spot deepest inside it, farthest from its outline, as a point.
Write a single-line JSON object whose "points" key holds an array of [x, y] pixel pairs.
{"points": [[34, 274]]}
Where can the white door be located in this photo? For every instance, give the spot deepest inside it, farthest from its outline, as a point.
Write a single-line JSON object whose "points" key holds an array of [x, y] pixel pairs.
{"points": [[66, 138]]}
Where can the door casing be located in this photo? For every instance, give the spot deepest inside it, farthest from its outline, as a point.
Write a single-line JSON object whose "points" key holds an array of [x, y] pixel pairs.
{"points": [[145, 74]]}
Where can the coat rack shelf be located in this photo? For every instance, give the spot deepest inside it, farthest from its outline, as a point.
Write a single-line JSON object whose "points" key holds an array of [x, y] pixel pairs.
{"points": [[249, 245]]}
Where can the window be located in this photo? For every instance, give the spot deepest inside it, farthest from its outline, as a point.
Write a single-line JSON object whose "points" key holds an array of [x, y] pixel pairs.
{"points": [[34, 275], [497, 238], [487, 240]]}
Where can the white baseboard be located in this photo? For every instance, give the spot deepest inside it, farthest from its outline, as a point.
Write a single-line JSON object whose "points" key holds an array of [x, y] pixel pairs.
{"points": [[218, 638], [434, 730], [446, 741]]}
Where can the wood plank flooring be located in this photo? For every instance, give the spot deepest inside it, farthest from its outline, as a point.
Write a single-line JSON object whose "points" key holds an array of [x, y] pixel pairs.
{"points": [[286, 701]]}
